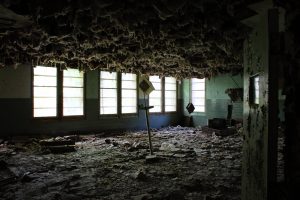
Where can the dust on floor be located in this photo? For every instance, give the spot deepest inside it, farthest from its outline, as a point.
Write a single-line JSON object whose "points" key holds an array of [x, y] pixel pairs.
{"points": [[189, 164]]}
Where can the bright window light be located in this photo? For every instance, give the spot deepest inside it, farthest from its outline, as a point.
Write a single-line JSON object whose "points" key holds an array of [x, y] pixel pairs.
{"points": [[198, 94], [73, 92], [170, 94], [256, 90], [129, 93], [108, 93], [44, 91], [155, 97]]}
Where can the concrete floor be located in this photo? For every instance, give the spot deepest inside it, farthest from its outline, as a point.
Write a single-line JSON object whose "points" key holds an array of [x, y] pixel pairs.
{"points": [[189, 164]]}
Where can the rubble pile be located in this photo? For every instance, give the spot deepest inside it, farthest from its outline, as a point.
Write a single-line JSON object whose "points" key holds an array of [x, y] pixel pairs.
{"points": [[59, 144], [188, 164]]}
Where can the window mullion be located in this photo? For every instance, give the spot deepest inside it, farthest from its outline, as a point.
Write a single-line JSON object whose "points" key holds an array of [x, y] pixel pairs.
{"points": [[119, 97], [153, 98], [59, 93], [163, 94], [137, 93]]}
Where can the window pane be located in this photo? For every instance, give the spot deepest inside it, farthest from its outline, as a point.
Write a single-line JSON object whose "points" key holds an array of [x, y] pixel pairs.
{"points": [[44, 102], [198, 86], [44, 81], [170, 108], [197, 80], [73, 102], [108, 102], [45, 71], [198, 94], [199, 109], [154, 79], [170, 101], [73, 111], [156, 109], [44, 112], [128, 101], [109, 83], [108, 75], [73, 93], [128, 109], [157, 86], [44, 91], [129, 84], [129, 93], [108, 110], [128, 76], [170, 80], [155, 97], [72, 73], [155, 94], [108, 93], [170, 86], [73, 82], [198, 101], [155, 101], [256, 88], [170, 94]]}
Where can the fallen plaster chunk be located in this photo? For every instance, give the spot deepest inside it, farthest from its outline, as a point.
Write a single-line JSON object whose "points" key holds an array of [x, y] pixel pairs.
{"points": [[151, 158]]}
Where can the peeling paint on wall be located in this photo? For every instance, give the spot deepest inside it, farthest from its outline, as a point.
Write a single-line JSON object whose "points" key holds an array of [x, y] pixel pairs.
{"points": [[254, 175]]}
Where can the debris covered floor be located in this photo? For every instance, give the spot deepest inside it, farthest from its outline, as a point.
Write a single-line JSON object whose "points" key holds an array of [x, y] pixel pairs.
{"points": [[190, 164]]}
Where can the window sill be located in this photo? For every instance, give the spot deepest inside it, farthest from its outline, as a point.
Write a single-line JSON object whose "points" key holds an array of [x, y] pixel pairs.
{"points": [[198, 114], [72, 118], [52, 119], [128, 115], [108, 116], [170, 112], [45, 119], [156, 113]]}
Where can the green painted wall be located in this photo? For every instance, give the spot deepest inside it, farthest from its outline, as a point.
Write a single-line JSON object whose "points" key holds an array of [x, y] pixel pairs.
{"points": [[19, 83], [216, 98]]}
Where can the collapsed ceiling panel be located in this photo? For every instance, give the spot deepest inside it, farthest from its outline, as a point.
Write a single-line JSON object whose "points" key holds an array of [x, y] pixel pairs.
{"points": [[181, 38]]}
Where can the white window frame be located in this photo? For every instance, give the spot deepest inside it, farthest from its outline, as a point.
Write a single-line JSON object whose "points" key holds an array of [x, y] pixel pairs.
{"points": [[59, 92], [44, 79], [156, 95], [198, 94], [129, 92], [170, 86], [256, 89], [110, 100], [73, 79]]}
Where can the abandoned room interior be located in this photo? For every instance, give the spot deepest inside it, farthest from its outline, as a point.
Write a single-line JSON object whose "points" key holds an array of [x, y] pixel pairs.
{"points": [[149, 99]]}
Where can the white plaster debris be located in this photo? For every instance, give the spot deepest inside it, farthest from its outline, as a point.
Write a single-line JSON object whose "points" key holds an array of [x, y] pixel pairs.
{"points": [[190, 164]]}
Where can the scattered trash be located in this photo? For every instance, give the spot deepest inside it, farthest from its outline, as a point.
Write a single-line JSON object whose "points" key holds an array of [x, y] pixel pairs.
{"points": [[167, 147], [188, 164], [59, 144], [115, 143], [27, 177], [151, 158], [140, 175], [107, 141], [6, 175]]}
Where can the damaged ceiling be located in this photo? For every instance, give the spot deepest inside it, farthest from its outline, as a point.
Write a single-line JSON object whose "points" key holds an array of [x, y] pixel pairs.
{"points": [[180, 38]]}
